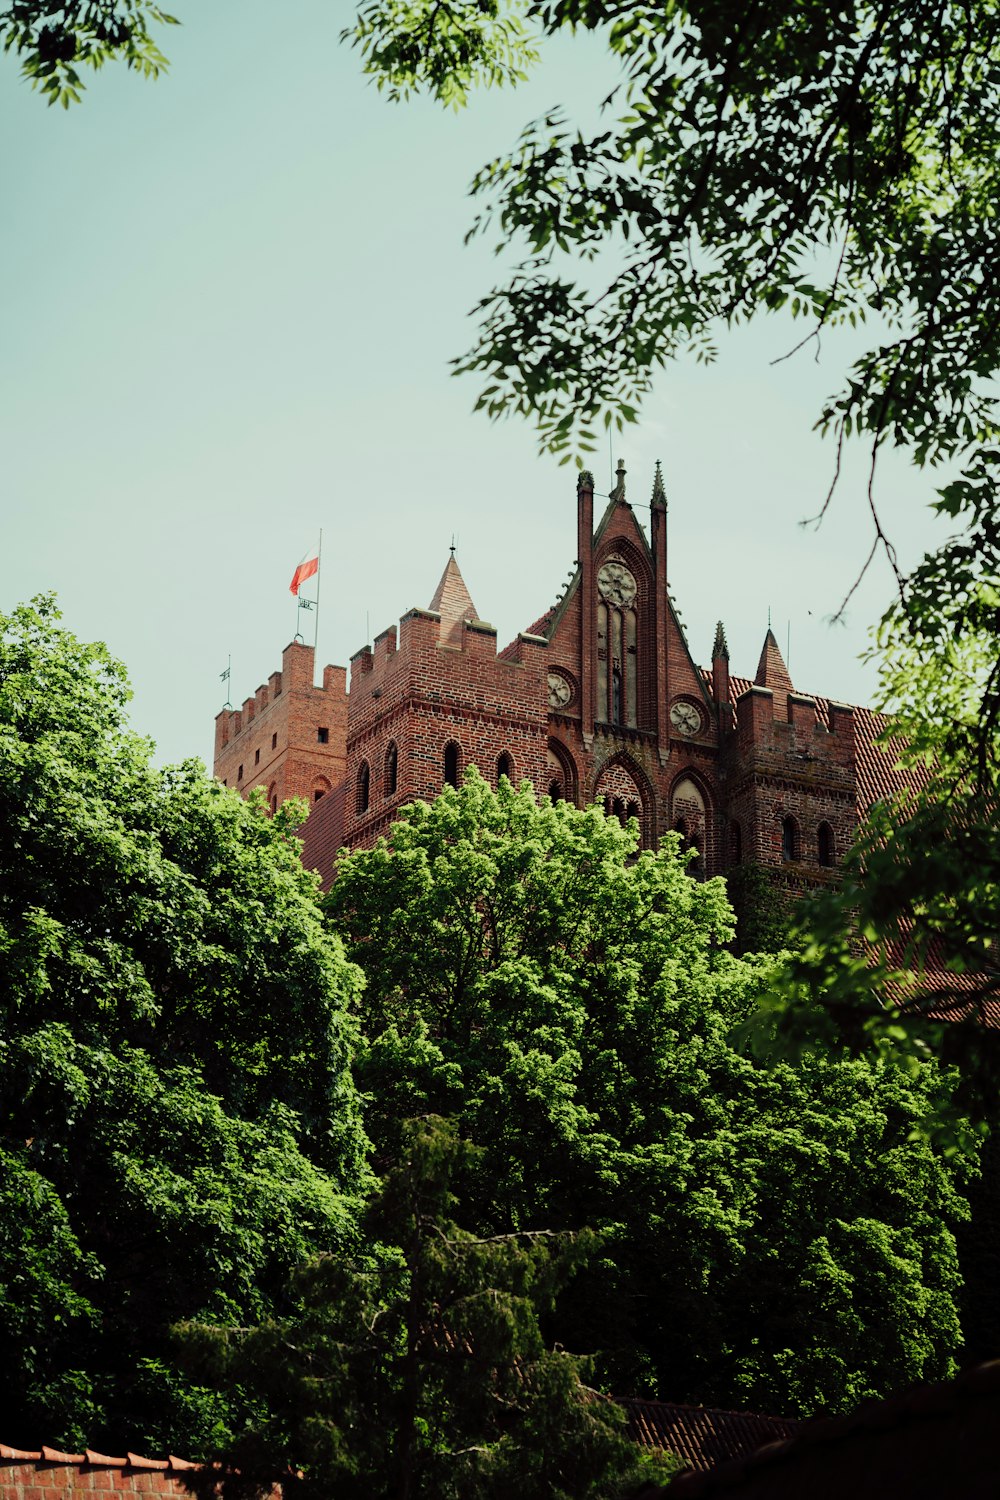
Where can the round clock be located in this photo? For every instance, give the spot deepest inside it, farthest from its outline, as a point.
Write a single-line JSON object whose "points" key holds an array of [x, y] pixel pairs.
{"points": [[616, 583], [560, 690], [685, 718]]}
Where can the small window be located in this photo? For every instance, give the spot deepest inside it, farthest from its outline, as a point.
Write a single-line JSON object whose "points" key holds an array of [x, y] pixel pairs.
{"points": [[789, 839], [505, 767], [323, 735], [825, 847], [225, 781], [274, 742], [239, 774], [318, 794], [256, 757], [735, 844], [391, 769], [364, 779], [451, 764], [274, 804], [556, 791]]}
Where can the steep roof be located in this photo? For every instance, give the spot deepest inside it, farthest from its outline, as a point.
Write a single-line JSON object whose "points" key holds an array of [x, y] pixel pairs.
{"points": [[771, 670], [702, 1436], [453, 602]]}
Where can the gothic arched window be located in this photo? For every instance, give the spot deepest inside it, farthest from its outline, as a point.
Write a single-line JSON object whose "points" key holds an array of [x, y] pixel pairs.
{"points": [[789, 839], [364, 784], [617, 650], [391, 768], [505, 767], [825, 847], [451, 764]]}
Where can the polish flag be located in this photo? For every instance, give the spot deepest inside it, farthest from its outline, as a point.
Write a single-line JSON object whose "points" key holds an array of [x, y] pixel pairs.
{"points": [[306, 568]]}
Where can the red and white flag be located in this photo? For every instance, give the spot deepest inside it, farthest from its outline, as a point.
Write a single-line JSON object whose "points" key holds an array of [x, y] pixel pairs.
{"points": [[306, 568]]}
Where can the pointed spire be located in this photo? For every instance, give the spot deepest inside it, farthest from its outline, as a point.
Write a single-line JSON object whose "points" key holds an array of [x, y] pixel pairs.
{"points": [[720, 650], [618, 493], [659, 493], [771, 671], [453, 602]]}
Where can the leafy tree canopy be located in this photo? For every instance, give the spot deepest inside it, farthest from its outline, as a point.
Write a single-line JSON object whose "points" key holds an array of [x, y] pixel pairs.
{"points": [[178, 1126], [421, 1370], [57, 40], [773, 1237]]}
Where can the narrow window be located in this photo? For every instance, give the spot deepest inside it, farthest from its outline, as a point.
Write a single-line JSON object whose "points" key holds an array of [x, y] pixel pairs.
{"points": [[274, 742], [239, 774], [323, 735], [505, 767], [789, 839], [825, 847], [616, 695], [391, 769], [274, 805], [363, 785], [735, 844], [256, 757], [451, 763]]}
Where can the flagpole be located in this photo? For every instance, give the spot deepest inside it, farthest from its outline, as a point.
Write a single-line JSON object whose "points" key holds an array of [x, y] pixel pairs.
{"points": [[319, 580]]}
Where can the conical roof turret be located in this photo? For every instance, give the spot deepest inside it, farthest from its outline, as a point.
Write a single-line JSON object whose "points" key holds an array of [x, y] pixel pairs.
{"points": [[771, 670], [453, 602]]}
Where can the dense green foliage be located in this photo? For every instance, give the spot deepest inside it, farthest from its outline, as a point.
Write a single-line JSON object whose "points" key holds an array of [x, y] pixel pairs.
{"points": [[421, 1370], [178, 1126], [771, 1236]]}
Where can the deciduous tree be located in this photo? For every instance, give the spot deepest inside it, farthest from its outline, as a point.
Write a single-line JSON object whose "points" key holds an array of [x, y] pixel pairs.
{"points": [[178, 1125]]}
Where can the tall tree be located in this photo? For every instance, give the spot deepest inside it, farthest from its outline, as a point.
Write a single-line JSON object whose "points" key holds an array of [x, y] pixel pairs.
{"points": [[777, 1237], [420, 1369], [177, 1123]]}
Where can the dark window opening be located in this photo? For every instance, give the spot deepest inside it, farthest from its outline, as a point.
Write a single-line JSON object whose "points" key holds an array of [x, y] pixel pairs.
{"points": [[789, 839], [556, 791], [505, 767], [391, 768], [616, 695], [256, 757], [633, 810], [239, 774], [825, 847], [451, 764], [323, 735], [317, 795], [274, 742], [274, 804], [735, 844], [363, 787]]}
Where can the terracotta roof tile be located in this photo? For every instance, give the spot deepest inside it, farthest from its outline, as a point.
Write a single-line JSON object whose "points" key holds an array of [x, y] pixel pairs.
{"points": [[53, 1456], [933, 1441], [702, 1436]]}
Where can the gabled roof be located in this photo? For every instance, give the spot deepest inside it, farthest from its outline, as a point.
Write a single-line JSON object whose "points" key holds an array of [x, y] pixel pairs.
{"points": [[452, 601]]}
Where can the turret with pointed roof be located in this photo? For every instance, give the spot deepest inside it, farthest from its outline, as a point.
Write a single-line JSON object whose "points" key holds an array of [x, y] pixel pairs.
{"points": [[772, 673], [453, 602]]}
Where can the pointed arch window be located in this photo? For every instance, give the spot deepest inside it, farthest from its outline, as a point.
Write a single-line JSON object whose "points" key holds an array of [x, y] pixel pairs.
{"points": [[505, 767], [363, 788], [789, 840], [391, 769], [825, 847], [617, 645]]}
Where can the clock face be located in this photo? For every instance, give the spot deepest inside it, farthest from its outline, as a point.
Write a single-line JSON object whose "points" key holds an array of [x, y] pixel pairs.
{"points": [[616, 583], [560, 690], [685, 718]]}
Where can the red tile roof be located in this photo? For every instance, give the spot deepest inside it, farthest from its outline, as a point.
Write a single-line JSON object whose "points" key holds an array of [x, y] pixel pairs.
{"points": [[702, 1435], [935, 1442], [91, 1459]]}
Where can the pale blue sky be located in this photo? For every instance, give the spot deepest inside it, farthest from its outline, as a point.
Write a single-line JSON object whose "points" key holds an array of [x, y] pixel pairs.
{"points": [[227, 303]]}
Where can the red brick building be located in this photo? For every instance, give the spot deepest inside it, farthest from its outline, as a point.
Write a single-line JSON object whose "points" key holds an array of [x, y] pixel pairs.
{"points": [[599, 700]]}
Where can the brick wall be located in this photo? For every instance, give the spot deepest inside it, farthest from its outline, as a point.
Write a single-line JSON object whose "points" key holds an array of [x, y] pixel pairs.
{"points": [[48, 1474]]}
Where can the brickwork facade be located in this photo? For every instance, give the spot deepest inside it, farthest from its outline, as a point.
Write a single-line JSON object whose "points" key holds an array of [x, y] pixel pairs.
{"points": [[48, 1474], [599, 700]]}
